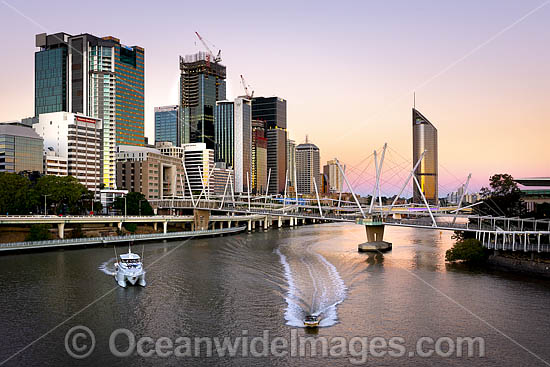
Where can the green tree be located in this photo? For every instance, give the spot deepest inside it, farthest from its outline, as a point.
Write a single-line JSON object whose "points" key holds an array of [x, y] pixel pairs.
{"points": [[502, 197], [39, 232], [134, 200], [63, 192], [16, 196], [469, 251]]}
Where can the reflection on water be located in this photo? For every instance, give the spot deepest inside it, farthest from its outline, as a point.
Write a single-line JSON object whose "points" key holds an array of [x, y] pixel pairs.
{"points": [[269, 281]]}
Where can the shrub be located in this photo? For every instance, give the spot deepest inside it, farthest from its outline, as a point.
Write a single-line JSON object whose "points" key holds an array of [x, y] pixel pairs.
{"points": [[469, 251], [39, 232], [130, 227]]}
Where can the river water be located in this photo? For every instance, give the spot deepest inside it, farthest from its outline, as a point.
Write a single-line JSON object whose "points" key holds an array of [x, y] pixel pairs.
{"points": [[260, 286]]}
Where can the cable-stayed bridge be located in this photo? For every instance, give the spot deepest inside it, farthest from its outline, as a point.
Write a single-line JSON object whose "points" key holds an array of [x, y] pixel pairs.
{"points": [[500, 232]]}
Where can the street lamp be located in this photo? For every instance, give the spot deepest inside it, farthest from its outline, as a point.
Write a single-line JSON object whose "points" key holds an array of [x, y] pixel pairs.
{"points": [[124, 206], [45, 209]]}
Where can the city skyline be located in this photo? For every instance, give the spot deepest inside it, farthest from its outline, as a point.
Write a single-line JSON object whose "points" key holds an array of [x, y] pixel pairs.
{"points": [[462, 86]]}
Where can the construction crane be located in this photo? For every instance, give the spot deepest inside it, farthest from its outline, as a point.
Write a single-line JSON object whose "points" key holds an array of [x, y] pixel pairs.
{"points": [[216, 58], [245, 86]]}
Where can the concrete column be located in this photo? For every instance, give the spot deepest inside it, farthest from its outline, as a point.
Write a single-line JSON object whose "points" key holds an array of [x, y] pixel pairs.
{"points": [[375, 233], [279, 222], [228, 224], [119, 225], [165, 227], [155, 226], [265, 223], [249, 227], [292, 221], [61, 230]]}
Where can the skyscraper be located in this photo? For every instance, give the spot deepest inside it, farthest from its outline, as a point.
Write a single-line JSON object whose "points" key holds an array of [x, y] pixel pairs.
{"points": [[272, 110], [334, 177], [259, 157], [291, 162], [167, 127], [425, 139], [202, 84], [233, 137], [97, 77], [50, 73], [307, 168]]}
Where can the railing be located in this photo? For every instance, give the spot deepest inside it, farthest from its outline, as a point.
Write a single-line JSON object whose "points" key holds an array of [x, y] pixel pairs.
{"points": [[106, 239]]}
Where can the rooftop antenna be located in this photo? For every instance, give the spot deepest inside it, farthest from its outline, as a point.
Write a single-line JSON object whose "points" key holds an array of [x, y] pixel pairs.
{"points": [[414, 100], [307, 138]]}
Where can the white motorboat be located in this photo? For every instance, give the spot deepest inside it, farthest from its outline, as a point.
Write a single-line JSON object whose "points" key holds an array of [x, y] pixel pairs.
{"points": [[129, 269]]}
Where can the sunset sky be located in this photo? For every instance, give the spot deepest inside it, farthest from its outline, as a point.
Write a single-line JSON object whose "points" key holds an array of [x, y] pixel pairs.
{"points": [[348, 69]]}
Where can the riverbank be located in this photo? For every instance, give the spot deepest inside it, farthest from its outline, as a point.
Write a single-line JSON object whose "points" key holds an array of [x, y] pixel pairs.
{"points": [[534, 265]]}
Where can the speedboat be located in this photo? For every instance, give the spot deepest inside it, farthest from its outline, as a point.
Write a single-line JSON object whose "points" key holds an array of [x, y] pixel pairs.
{"points": [[312, 321], [129, 269]]}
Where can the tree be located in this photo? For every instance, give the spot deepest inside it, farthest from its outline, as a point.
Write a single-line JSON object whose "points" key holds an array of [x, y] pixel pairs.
{"points": [[469, 251], [39, 232], [64, 192], [134, 200], [15, 194], [503, 197]]}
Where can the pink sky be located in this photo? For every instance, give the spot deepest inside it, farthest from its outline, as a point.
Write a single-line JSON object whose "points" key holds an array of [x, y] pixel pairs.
{"points": [[347, 70]]}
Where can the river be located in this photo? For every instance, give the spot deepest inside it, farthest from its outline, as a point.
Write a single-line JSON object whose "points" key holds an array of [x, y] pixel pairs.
{"points": [[260, 286]]}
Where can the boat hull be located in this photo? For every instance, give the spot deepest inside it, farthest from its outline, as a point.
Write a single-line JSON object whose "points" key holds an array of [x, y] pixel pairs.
{"points": [[124, 279]]}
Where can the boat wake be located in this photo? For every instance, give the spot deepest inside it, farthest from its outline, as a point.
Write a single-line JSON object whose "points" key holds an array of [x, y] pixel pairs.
{"points": [[314, 286], [108, 267]]}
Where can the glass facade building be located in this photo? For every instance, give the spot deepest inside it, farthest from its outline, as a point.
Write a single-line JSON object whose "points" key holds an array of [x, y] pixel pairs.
{"points": [[167, 125], [50, 73], [272, 110], [202, 84], [425, 139], [233, 139], [21, 149], [97, 77], [50, 78]]}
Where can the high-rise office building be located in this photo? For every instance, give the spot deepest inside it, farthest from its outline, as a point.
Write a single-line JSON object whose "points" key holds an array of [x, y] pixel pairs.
{"points": [[202, 84], [272, 110], [259, 157], [233, 136], [78, 139], [199, 162], [308, 168], [20, 148], [334, 177], [425, 139], [167, 125], [291, 162], [50, 73], [96, 77]]}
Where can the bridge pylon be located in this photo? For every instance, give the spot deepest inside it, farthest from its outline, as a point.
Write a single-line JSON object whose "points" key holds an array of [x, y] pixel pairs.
{"points": [[374, 227]]}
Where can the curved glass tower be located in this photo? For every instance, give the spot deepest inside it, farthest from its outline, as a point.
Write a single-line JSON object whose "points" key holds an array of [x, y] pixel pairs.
{"points": [[425, 139]]}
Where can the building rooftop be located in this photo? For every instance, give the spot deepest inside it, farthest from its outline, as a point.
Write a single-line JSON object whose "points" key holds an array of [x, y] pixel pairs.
{"points": [[18, 130], [533, 181]]}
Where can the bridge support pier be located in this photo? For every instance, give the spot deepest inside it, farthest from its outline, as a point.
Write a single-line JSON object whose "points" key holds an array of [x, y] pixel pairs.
{"points": [[375, 241], [165, 227], [249, 226], [119, 226], [292, 221], [265, 223], [61, 230], [279, 222], [155, 226]]}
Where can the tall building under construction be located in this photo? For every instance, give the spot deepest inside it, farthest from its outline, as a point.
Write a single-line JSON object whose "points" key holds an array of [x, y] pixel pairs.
{"points": [[202, 84], [425, 139]]}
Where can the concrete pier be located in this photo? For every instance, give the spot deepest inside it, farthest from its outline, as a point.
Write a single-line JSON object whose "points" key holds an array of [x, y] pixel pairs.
{"points": [[375, 236]]}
